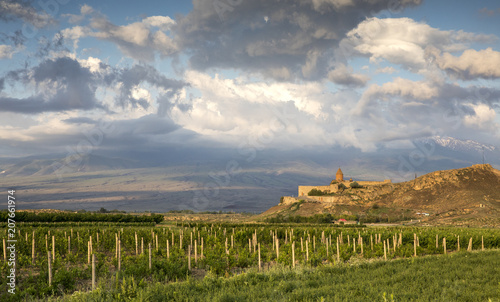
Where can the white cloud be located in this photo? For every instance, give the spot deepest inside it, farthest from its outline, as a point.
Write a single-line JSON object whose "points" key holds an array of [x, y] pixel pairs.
{"points": [[6, 52], [162, 22], [138, 40], [483, 117], [388, 69], [472, 64], [403, 41], [237, 110]]}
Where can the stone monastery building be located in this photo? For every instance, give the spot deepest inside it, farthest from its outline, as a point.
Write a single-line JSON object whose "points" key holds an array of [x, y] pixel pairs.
{"points": [[335, 184]]}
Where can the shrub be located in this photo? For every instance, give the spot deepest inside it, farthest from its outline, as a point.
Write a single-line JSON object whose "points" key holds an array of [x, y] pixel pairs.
{"points": [[355, 185], [315, 192]]}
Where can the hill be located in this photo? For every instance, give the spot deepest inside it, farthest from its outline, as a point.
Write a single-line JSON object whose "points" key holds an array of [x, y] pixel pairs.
{"points": [[467, 196]]}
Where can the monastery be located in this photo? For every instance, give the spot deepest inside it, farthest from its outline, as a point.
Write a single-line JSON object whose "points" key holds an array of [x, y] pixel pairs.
{"points": [[338, 185]]}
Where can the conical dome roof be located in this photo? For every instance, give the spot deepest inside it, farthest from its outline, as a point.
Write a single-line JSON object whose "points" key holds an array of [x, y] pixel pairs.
{"points": [[339, 175]]}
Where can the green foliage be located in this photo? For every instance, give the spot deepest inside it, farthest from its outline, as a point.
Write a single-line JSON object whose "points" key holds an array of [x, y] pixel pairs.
{"points": [[315, 192], [459, 277], [355, 185], [72, 273], [80, 217]]}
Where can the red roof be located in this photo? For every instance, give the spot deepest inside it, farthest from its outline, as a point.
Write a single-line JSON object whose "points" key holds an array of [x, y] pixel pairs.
{"points": [[342, 219]]}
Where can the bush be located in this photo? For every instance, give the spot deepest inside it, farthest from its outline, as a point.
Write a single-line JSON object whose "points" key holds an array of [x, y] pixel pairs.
{"points": [[355, 185], [315, 192]]}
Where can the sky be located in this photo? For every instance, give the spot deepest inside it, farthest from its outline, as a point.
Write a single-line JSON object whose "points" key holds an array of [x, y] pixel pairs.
{"points": [[272, 74]]}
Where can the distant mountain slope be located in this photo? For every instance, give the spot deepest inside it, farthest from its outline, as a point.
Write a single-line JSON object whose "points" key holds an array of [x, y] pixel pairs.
{"points": [[85, 163], [459, 145]]}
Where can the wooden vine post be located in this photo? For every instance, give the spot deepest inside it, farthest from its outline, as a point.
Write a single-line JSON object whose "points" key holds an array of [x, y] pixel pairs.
{"points": [[293, 254], [338, 251], [277, 249], [119, 254], [33, 249], [482, 243], [196, 252], [93, 271], [260, 265], [53, 248], [150, 256], [444, 245], [458, 243], [414, 245], [189, 258], [385, 252], [136, 245], [50, 268], [307, 251], [168, 250]]}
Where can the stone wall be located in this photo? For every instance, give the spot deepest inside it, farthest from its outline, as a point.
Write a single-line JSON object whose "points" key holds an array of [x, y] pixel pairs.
{"points": [[374, 183], [303, 190]]}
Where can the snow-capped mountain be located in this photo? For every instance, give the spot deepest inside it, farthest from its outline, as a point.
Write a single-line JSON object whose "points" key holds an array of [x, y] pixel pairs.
{"points": [[459, 145]]}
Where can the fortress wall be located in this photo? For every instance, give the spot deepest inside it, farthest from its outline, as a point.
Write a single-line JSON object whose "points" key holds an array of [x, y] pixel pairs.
{"points": [[289, 200], [303, 190], [332, 199], [374, 183]]}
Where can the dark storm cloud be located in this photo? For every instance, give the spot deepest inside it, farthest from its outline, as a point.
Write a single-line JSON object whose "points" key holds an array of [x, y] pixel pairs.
{"points": [[11, 10], [70, 86], [282, 39], [67, 85], [131, 77]]}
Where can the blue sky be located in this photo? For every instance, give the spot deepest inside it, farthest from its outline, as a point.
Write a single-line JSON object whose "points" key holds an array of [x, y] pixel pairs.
{"points": [[205, 74]]}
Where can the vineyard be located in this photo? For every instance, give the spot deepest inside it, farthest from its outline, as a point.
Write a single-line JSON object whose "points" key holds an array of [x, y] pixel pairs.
{"points": [[56, 259]]}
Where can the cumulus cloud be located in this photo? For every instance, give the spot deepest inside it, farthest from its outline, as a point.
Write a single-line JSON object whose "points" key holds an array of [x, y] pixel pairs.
{"points": [[405, 109], [483, 117], [138, 40], [296, 41], [344, 76], [403, 41], [472, 64]]}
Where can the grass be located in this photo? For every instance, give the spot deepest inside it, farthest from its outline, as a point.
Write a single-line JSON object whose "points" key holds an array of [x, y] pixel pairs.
{"points": [[456, 277]]}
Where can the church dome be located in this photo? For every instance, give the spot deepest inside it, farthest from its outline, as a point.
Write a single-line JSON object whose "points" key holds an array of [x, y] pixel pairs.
{"points": [[339, 176]]}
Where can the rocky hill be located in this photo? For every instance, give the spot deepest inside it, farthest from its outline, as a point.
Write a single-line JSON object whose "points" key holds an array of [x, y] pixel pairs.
{"points": [[467, 196]]}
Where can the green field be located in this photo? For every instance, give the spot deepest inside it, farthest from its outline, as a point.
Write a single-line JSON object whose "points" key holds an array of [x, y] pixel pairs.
{"points": [[458, 277], [220, 262]]}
